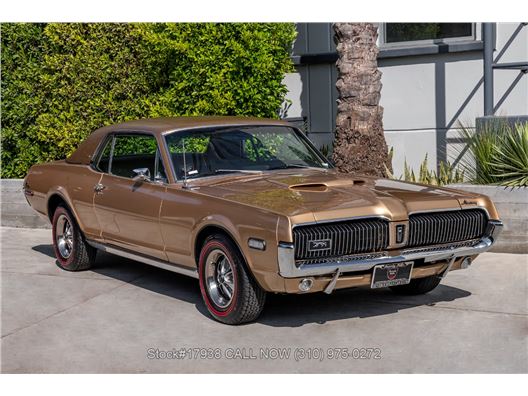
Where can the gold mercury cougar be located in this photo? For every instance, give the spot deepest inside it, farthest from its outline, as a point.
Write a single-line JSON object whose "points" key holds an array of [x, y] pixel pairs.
{"points": [[249, 206]]}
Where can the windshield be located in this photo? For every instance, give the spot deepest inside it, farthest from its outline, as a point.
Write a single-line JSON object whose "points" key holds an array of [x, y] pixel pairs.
{"points": [[240, 149]]}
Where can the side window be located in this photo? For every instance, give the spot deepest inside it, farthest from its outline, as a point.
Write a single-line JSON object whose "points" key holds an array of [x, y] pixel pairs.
{"points": [[104, 159], [136, 151]]}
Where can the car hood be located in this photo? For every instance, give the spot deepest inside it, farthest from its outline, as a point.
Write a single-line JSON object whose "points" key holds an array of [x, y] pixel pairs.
{"points": [[320, 195]]}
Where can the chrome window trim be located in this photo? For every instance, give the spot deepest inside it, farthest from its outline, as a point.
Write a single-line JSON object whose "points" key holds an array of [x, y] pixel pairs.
{"points": [[111, 159], [208, 126], [98, 153], [112, 135], [125, 131]]}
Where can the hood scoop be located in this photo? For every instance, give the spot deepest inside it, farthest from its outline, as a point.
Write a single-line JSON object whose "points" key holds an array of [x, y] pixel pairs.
{"points": [[322, 187], [311, 187]]}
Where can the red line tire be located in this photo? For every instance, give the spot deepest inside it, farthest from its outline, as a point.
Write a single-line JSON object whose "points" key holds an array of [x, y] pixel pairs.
{"points": [[75, 254], [246, 299]]}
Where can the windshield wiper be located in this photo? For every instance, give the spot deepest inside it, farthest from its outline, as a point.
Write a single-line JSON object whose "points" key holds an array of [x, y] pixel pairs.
{"points": [[286, 166], [238, 170]]}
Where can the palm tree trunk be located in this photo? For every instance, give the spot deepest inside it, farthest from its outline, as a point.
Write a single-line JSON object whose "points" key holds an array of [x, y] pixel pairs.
{"points": [[359, 144]]}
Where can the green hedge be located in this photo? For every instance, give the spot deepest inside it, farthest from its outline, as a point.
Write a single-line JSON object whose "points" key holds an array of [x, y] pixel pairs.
{"points": [[62, 81]]}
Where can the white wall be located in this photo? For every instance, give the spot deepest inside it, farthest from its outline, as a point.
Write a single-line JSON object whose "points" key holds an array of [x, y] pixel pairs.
{"points": [[424, 97]]}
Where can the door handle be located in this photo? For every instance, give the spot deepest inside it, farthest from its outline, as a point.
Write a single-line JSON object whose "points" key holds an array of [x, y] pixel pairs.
{"points": [[99, 187]]}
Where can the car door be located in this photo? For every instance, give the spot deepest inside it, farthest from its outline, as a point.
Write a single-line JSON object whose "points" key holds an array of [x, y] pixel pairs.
{"points": [[128, 206]]}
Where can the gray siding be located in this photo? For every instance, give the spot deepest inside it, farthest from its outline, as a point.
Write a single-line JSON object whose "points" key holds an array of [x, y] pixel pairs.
{"points": [[424, 97]]}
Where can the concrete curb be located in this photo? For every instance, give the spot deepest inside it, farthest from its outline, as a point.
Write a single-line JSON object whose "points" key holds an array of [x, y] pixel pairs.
{"points": [[512, 205], [15, 210]]}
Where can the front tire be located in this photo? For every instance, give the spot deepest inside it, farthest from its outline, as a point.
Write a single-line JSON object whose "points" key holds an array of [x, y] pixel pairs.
{"points": [[418, 286], [71, 249], [231, 295]]}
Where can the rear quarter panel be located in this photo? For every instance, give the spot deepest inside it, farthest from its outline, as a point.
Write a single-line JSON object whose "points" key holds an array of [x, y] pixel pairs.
{"points": [[73, 183]]}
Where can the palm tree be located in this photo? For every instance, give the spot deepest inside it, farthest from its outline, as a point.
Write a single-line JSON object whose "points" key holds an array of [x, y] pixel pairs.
{"points": [[359, 144]]}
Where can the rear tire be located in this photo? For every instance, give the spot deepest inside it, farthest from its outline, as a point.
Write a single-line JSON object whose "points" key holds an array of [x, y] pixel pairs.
{"points": [[418, 286], [71, 249], [230, 294]]}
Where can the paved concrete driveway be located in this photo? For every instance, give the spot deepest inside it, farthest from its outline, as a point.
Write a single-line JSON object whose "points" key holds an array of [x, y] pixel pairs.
{"points": [[122, 315]]}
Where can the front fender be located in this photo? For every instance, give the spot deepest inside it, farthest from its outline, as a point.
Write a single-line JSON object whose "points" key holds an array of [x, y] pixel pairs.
{"points": [[263, 265]]}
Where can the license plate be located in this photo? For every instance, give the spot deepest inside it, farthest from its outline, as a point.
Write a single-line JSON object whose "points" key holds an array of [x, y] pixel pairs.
{"points": [[391, 274]]}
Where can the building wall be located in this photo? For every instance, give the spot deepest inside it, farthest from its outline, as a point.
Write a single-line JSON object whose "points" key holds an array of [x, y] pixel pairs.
{"points": [[424, 96]]}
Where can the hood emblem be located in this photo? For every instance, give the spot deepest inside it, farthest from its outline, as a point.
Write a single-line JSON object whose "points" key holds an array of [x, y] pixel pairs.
{"points": [[320, 244]]}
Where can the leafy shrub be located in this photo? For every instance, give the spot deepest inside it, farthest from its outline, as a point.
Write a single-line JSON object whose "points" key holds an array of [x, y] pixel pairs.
{"points": [[62, 81], [499, 154], [193, 144], [510, 159], [21, 104], [447, 174], [228, 68]]}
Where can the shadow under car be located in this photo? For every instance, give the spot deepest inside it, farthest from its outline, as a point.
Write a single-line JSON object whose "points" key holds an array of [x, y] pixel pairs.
{"points": [[282, 310]]}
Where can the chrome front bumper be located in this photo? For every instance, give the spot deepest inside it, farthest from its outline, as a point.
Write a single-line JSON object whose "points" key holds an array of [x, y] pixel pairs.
{"points": [[288, 268]]}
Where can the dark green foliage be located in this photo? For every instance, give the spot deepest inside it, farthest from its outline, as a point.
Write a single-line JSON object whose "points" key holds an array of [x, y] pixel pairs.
{"points": [[193, 144], [499, 154], [511, 157], [21, 102], [447, 173], [134, 144], [62, 81], [226, 68]]}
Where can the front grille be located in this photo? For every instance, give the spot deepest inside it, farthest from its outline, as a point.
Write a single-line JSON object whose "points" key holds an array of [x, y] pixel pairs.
{"points": [[445, 227], [346, 238]]}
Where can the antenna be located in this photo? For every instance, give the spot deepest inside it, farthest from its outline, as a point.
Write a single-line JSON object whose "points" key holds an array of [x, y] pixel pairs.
{"points": [[184, 165]]}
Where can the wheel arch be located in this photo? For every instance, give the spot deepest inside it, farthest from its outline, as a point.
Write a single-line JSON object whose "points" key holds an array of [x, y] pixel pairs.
{"points": [[211, 229], [54, 201], [57, 199], [208, 230]]}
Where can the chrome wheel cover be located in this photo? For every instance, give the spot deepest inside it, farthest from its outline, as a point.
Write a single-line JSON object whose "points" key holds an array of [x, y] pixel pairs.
{"points": [[219, 278], [64, 236]]}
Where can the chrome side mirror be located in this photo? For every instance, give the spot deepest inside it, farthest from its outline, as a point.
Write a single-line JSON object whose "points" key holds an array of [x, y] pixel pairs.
{"points": [[141, 174]]}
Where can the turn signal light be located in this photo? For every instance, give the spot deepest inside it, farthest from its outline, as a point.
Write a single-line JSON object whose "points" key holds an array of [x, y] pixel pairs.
{"points": [[258, 244]]}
